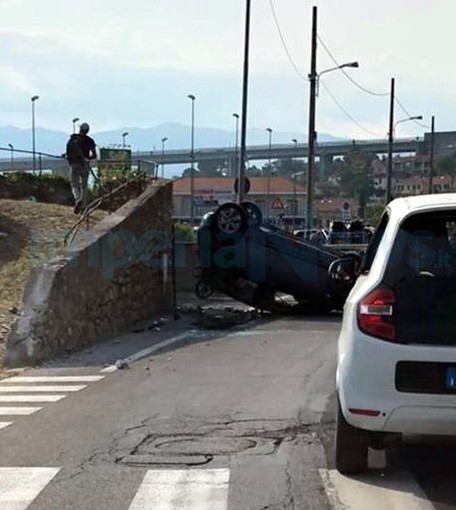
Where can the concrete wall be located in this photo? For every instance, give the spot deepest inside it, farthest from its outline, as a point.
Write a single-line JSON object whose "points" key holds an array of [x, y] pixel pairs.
{"points": [[186, 260], [108, 281]]}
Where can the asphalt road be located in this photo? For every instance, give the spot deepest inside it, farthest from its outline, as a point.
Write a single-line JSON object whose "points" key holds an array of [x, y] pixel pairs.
{"points": [[234, 420]]}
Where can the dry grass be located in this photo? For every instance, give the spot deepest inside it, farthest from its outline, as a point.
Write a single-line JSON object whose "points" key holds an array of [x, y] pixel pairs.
{"points": [[35, 233]]}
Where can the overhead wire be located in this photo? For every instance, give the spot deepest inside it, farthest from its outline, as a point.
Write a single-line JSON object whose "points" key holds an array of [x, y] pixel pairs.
{"points": [[349, 78], [331, 95], [301, 75], [364, 89], [284, 44]]}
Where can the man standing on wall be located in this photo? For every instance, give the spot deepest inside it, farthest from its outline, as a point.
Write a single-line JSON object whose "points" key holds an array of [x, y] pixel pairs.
{"points": [[81, 149]]}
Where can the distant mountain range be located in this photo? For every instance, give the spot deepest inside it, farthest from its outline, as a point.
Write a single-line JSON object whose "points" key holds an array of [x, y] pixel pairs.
{"points": [[144, 139]]}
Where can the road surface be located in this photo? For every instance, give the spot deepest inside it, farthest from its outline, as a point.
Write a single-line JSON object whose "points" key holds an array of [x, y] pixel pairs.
{"points": [[240, 419]]}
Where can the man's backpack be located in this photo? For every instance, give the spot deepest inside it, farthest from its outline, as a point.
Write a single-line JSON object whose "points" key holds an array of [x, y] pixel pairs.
{"points": [[74, 154]]}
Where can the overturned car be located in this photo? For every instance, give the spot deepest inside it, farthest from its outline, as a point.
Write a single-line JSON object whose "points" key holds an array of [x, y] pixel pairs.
{"points": [[254, 262]]}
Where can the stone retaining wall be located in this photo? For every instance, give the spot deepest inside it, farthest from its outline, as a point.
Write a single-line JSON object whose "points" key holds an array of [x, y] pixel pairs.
{"points": [[119, 274]]}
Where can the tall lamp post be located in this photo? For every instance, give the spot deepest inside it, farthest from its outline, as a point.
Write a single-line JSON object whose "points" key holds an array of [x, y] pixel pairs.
{"points": [[192, 158], [245, 87], [431, 162], [295, 203], [314, 78], [236, 145], [74, 123], [391, 135], [268, 190], [33, 99], [124, 135], [12, 156], [163, 156]]}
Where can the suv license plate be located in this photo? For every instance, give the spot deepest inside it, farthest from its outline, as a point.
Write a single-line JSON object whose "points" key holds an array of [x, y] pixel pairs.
{"points": [[451, 378]]}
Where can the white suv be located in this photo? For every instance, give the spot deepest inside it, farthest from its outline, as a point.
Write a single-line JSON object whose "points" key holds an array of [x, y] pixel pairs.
{"points": [[396, 364]]}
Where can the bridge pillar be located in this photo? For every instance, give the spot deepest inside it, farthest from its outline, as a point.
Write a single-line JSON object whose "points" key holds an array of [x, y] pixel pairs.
{"points": [[325, 165]]}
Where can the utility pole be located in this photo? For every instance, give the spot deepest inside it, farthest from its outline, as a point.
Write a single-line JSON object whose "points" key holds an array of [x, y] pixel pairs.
{"points": [[431, 162], [312, 135], [241, 171], [389, 175]]}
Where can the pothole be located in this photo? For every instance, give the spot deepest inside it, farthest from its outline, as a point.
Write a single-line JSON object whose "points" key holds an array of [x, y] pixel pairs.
{"points": [[196, 450], [201, 445]]}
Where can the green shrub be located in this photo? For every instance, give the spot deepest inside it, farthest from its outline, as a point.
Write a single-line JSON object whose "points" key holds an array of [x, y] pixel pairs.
{"points": [[184, 233]]}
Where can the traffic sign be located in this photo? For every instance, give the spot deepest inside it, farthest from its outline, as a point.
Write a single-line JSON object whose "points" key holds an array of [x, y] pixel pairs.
{"points": [[246, 185], [277, 203]]}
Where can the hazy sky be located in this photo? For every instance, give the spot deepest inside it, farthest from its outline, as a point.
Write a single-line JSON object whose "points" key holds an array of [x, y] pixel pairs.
{"points": [[132, 63]]}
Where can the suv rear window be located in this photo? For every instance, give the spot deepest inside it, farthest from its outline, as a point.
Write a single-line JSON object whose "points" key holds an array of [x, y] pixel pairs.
{"points": [[422, 273]]}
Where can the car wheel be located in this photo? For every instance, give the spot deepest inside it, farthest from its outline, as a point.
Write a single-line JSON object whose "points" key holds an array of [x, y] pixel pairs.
{"points": [[253, 212], [203, 290], [230, 218], [351, 446]]}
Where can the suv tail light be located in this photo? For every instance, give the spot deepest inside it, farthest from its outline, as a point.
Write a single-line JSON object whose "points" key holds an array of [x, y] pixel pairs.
{"points": [[375, 314]]}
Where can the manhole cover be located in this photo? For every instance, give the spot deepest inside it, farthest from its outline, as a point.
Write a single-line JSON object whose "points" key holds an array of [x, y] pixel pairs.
{"points": [[199, 446]]}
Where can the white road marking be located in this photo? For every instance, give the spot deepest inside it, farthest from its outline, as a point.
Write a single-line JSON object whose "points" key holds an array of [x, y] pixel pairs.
{"points": [[18, 411], [4, 424], [373, 492], [54, 379], [191, 489], [20, 486], [39, 389], [31, 398], [150, 350]]}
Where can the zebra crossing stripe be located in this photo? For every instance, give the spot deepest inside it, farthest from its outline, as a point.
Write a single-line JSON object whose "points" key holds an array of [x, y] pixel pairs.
{"points": [[18, 411], [4, 424], [20, 486], [191, 489], [54, 379], [31, 398], [39, 389]]}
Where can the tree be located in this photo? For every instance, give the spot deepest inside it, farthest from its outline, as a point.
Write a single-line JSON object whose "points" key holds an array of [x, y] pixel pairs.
{"points": [[354, 176], [212, 167]]}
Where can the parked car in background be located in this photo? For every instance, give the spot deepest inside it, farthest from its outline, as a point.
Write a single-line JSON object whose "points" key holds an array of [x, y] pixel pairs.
{"points": [[396, 363]]}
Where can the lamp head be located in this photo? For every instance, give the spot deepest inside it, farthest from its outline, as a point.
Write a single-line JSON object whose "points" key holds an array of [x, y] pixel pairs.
{"points": [[34, 98], [191, 96]]}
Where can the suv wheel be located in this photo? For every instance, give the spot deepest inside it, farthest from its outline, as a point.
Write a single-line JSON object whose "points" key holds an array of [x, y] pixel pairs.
{"points": [[351, 446]]}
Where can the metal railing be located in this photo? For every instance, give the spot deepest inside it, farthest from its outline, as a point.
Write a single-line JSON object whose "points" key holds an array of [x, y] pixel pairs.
{"points": [[93, 206]]}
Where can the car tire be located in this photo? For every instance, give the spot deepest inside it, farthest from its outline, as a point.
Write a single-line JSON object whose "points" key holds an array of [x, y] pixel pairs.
{"points": [[204, 290], [230, 218], [253, 212], [351, 446]]}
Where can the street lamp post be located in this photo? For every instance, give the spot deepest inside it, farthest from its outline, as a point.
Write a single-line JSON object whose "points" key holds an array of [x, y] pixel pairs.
{"points": [[245, 86], [124, 135], [236, 145], [192, 158], [295, 203], [431, 162], [33, 99], [12, 156], [313, 78], [163, 156], [348, 64], [74, 124], [391, 135], [268, 190]]}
